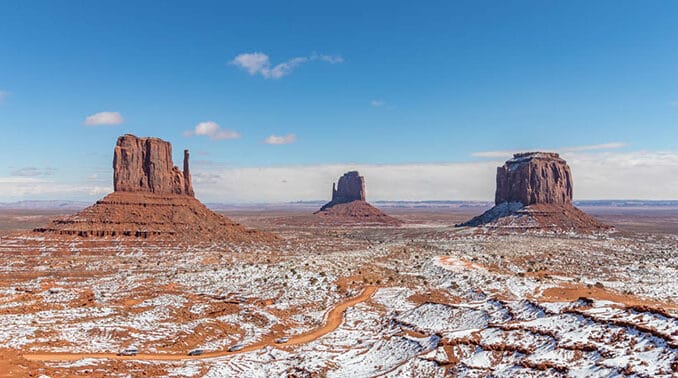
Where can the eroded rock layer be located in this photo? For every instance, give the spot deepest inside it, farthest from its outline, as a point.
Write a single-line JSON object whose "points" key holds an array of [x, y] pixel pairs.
{"points": [[534, 192], [356, 212], [151, 216]]}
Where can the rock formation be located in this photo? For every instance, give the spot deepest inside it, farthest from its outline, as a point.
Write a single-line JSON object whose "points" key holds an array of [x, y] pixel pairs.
{"points": [[348, 203], [534, 178], [349, 188], [145, 165], [534, 191], [152, 199]]}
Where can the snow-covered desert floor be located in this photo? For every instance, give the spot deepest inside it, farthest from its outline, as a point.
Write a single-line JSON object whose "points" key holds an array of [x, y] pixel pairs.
{"points": [[423, 299]]}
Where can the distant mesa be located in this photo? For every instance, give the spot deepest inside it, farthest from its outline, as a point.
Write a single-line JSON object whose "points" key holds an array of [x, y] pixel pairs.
{"points": [[349, 188], [348, 203], [534, 191], [152, 198]]}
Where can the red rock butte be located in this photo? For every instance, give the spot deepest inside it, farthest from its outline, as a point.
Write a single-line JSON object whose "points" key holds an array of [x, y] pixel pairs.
{"points": [[152, 199], [534, 178], [348, 203], [145, 165], [534, 191]]}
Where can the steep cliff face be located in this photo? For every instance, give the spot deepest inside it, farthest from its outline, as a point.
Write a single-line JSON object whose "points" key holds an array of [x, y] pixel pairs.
{"points": [[534, 178], [145, 165], [534, 191], [350, 187]]}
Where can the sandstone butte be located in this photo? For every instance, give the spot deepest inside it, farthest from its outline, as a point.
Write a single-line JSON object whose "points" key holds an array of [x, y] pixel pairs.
{"points": [[348, 204], [152, 199], [534, 191]]}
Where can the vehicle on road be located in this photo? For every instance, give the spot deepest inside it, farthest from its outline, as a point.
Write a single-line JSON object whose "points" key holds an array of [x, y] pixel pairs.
{"points": [[282, 340], [236, 347], [128, 352], [196, 352]]}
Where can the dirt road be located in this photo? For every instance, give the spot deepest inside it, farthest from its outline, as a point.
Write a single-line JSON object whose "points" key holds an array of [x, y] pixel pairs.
{"points": [[333, 320]]}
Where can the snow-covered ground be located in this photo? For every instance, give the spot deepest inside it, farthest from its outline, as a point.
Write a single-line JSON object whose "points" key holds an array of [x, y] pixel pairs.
{"points": [[449, 302]]}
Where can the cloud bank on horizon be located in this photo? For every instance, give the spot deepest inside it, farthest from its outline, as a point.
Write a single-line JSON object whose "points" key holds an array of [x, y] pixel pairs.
{"points": [[592, 147], [598, 174]]}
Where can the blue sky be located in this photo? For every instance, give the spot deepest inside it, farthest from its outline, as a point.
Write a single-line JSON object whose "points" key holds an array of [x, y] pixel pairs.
{"points": [[377, 83]]}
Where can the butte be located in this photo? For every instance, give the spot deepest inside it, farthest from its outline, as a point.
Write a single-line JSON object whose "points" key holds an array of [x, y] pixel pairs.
{"points": [[534, 192], [152, 199], [348, 204]]}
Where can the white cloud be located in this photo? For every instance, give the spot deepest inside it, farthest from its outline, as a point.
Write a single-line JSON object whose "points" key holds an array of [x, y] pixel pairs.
{"points": [[3, 95], [508, 153], [33, 172], [649, 175], [279, 139], [377, 103], [597, 175], [495, 154], [333, 59], [259, 63], [252, 63], [595, 147], [629, 175], [17, 188], [674, 104], [212, 130], [104, 118]]}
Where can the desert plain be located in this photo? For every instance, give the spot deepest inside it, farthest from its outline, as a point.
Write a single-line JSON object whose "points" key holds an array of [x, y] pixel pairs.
{"points": [[424, 298]]}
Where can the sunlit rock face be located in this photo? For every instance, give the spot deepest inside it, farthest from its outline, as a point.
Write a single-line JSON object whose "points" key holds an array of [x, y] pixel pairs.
{"points": [[152, 199], [145, 165], [534, 178], [534, 192]]}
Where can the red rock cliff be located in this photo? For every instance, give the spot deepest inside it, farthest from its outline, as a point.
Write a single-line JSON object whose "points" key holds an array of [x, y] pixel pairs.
{"points": [[145, 165], [534, 178], [350, 187]]}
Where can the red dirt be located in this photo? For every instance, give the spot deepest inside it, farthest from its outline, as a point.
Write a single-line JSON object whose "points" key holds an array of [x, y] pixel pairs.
{"points": [[356, 212], [333, 320], [152, 216]]}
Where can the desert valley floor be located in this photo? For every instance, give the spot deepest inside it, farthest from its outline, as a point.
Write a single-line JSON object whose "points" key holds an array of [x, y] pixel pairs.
{"points": [[421, 299]]}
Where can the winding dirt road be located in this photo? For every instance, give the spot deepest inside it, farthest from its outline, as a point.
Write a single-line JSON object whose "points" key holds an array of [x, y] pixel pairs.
{"points": [[333, 320]]}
